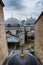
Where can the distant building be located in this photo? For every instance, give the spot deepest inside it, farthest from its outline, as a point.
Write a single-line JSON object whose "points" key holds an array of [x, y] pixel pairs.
{"points": [[12, 24], [29, 27], [14, 28], [13, 41], [3, 44], [29, 32], [39, 37]]}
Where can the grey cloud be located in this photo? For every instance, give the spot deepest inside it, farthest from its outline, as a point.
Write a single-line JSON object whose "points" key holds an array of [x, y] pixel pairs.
{"points": [[11, 2], [14, 5], [39, 3]]}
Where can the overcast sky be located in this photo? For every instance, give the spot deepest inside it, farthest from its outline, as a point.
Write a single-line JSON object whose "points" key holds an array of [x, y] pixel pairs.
{"points": [[22, 8]]}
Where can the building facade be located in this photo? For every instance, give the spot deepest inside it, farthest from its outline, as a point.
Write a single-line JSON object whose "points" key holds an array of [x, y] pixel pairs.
{"points": [[39, 37], [3, 44]]}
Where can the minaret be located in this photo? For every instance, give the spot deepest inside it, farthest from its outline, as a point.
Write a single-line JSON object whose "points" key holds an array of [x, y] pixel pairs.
{"points": [[11, 15], [3, 44]]}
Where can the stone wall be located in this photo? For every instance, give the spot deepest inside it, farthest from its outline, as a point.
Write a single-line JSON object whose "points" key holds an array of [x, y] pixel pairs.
{"points": [[3, 44], [39, 39]]}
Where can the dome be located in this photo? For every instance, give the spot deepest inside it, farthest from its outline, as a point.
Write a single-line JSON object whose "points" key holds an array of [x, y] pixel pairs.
{"points": [[12, 21], [28, 59], [29, 21]]}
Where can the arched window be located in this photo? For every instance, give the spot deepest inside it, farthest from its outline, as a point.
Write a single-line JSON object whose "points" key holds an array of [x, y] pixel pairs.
{"points": [[8, 25]]}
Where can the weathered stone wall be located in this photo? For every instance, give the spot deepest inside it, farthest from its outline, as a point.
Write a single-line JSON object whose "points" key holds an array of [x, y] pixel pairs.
{"points": [[39, 39], [3, 44]]}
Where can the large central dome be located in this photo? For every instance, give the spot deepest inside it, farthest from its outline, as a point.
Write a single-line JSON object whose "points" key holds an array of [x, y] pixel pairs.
{"points": [[12, 21], [28, 59]]}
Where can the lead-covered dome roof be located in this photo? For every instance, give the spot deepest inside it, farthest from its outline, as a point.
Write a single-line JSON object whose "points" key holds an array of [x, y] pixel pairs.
{"points": [[12, 21], [28, 59]]}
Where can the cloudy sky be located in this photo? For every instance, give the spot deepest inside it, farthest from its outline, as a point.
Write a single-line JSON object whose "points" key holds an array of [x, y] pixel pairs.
{"points": [[22, 8]]}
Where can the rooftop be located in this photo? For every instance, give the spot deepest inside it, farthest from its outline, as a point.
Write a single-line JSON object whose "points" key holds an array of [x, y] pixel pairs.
{"points": [[39, 17], [1, 3]]}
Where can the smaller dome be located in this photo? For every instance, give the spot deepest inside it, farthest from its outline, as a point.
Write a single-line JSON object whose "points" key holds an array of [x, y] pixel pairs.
{"points": [[29, 21]]}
